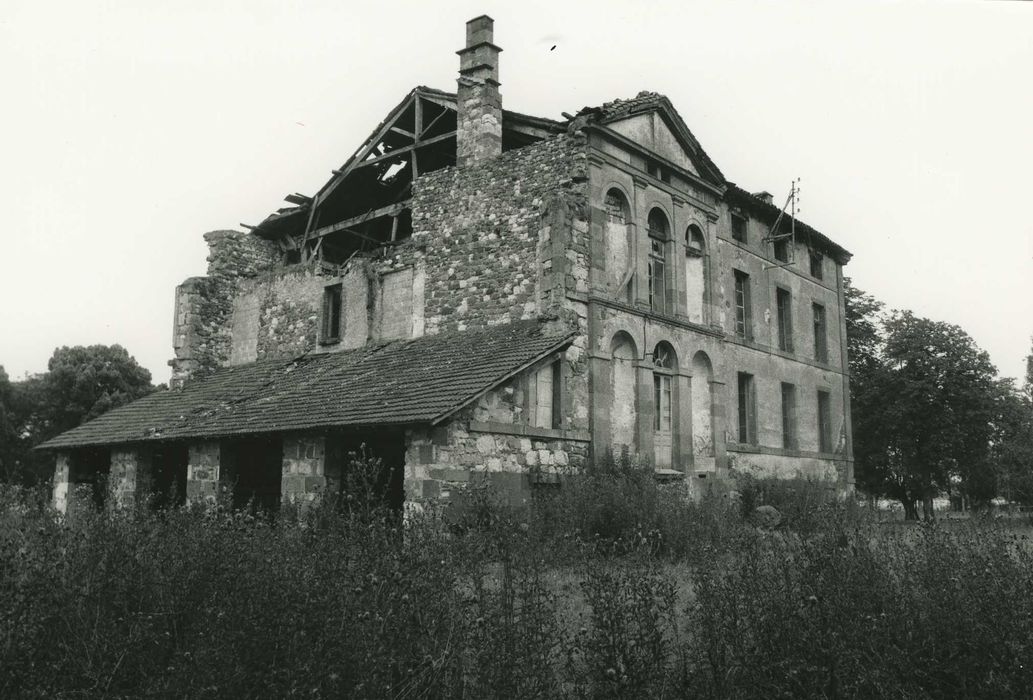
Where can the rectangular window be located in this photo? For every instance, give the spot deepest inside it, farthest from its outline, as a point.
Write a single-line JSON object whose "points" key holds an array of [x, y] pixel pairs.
{"points": [[743, 314], [782, 250], [662, 401], [739, 228], [824, 421], [817, 260], [657, 276], [747, 410], [821, 345], [332, 313], [784, 303], [788, 416], [545, 397]]}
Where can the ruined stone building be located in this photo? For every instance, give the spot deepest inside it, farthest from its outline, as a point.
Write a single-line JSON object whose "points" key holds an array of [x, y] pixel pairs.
{"points": [[478, 293]]}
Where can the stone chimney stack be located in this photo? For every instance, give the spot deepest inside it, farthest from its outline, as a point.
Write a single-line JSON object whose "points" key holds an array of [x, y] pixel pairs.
{"points": [[478, 101]]}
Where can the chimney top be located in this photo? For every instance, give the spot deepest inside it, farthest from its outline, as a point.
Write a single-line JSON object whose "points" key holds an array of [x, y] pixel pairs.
{"points": [[480, 30], [765, 196]]}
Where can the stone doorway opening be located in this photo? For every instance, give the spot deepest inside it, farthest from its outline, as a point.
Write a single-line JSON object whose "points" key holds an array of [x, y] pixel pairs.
{"points": [[373, 460], [254, 468]]}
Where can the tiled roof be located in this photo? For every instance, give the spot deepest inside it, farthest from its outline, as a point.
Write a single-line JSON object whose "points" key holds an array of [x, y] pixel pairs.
{"points": [[419, 381], [646, 101]]}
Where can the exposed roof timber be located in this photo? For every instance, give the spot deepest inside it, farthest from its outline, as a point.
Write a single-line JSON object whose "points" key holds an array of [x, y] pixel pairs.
{"points": [[390, 210], [403, 150], [297, 198]]}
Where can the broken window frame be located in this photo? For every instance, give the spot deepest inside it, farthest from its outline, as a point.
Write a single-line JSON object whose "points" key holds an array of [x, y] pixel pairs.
{"points": [[743, 312], [663, 388], [659, 237]]}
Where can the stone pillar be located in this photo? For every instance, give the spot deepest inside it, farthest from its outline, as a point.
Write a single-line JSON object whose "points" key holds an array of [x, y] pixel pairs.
{"points": [[304, 468], [203, 470], [600, 401], [130, 479], [62, 482]]}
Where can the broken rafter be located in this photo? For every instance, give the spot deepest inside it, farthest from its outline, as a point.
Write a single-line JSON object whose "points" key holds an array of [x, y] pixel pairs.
{"points": [[403, 150], [297, 198], [390, 210], [403, 132]]}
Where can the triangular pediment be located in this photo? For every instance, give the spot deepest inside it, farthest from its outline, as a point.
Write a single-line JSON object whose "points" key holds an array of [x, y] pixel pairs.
{"points": [[652, 133]]}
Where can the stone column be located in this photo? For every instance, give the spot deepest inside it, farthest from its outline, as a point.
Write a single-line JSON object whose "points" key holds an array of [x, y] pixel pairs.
{"points": [[130, 479], [62, 482], [599, 405], [304, 468], [203, 470], [682, 419]]}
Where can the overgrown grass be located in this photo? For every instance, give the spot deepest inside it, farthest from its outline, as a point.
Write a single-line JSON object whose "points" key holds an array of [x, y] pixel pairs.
{"points": [[610, 586]]}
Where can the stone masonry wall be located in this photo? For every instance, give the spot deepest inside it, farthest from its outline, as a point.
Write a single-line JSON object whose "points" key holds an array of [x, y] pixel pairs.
{"points": [[479, 227], [202, 334]]}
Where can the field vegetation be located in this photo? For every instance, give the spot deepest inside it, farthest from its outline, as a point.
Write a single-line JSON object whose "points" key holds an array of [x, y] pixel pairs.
{"points": [[610, 586]]}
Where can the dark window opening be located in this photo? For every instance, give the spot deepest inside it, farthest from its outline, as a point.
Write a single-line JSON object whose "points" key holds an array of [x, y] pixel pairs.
{"points": [[743, 314], [89, 469], [663, 364], [821, 346], [739, 228], [368, 468], [789, 441], [332, 303], [658, 171], [784, 303], [170, 475], [747, 405], [817, 266], [615, 207], [824, 421], [781, 247], [254, 467]]}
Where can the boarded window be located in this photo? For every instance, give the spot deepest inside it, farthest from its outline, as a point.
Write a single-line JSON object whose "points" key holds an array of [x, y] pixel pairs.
{"points": [[784, 303], [545, 397], [332, 303], [788, 416], [747, 405], [824, 421], [396, 305]]}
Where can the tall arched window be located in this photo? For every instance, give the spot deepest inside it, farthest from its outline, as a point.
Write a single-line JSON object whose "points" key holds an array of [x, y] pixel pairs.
{"points": [[695, 273], [618, 243], [702, 411], [664, 364], [659, 234], [623, 388]]}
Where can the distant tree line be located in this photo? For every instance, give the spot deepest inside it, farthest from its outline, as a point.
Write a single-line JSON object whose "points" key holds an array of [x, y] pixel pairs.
{"points": [[931, 416], [80, 383]]}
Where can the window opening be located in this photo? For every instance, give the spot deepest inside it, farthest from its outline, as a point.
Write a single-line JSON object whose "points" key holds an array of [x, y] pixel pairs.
{"points": [[821, 346], [739, 227], [545, 401], [742, 305], [658, 236], [663, 368], [332, 313], [784, 304], [747, 409], [788, 416], [824, 421], [817, 265]]}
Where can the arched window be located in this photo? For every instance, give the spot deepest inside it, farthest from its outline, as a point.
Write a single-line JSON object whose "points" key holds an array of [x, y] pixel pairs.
{"points": [[702, 417], [617, 236], [695, 273], [623, 388], [664, 365], [659, 234]]}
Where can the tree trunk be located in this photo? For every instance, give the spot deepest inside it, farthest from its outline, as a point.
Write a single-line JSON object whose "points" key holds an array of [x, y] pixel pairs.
{"points": [[910, 508]]}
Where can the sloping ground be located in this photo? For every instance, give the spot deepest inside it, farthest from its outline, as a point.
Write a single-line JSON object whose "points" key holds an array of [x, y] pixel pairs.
{"points": [[404, 382]]}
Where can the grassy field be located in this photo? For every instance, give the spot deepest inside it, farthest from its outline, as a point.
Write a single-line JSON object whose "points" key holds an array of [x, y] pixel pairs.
{"points": [[610, 587]]}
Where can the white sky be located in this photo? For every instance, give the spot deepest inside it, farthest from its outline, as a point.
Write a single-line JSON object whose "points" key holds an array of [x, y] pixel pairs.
{"points": [[129, 129]]}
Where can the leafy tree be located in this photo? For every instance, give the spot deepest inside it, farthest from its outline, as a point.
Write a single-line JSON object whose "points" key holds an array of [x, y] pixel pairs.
{"points": [[1012, 443], [81, 383]]}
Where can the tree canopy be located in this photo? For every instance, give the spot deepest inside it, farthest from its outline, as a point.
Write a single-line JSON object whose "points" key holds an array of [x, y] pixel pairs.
{"points": [[81, 383], [930, 414]]}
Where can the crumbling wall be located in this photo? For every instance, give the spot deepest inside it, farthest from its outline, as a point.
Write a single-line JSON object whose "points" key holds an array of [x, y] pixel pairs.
{"points": [[202, 338], [479, 228]]}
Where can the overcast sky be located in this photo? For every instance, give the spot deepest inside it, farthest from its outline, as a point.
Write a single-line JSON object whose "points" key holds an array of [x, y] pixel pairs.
{"points": [[131, 128]]}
